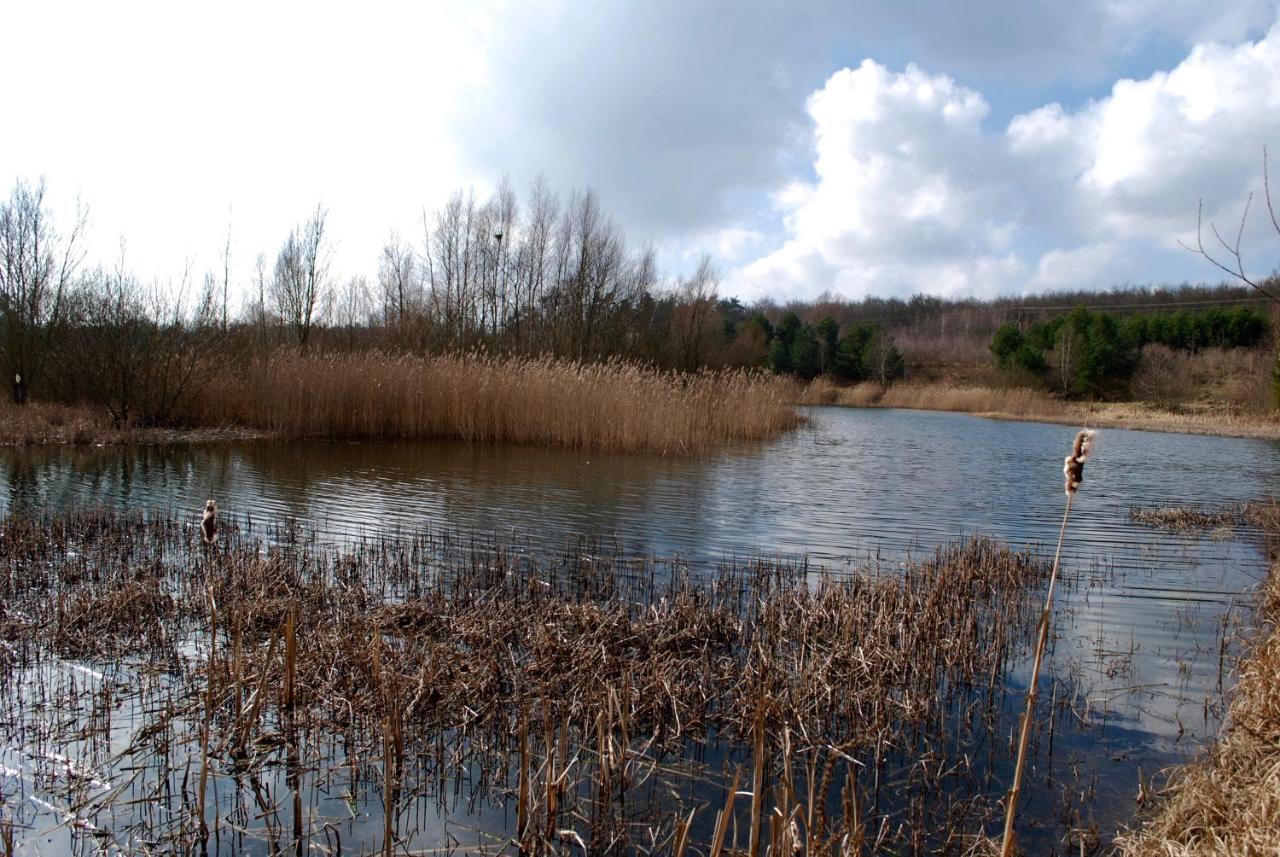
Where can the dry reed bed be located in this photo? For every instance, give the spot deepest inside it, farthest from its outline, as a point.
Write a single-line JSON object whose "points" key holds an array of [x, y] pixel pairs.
{"points": [[1187, 519], [49, 423], [473, 397], [1228, 803], [600, 699], [1021, 403], [46, 423]]}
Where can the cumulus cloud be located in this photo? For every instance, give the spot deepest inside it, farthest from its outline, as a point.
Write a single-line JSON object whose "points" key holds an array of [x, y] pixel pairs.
{"points": [[684, 114], [911, 194], [729, 246]]}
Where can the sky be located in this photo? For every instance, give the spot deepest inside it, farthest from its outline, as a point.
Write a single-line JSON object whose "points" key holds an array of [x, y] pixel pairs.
{"points": [[850, 148]]}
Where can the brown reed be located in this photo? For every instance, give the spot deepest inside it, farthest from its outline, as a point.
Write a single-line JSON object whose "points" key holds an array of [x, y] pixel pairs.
{"points": [[476, 397], [427, 661], [1073, 473]]}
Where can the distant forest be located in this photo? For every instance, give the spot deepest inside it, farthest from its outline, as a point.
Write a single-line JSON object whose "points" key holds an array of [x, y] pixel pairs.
{"points": [[543, 275]]}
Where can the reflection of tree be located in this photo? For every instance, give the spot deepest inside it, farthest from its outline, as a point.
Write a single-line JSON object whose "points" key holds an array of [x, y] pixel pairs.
{"points": [[175, 477], [545, 496], [285, 474], [23, 481]]}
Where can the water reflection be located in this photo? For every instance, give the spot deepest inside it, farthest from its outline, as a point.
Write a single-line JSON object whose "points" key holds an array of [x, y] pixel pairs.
{"points": [[853, 483]]}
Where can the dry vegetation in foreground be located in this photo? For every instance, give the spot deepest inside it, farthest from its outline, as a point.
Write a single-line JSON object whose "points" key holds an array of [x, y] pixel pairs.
{"points": [[1228, 803], [618, 704], [1023, 403], [611, 406]]}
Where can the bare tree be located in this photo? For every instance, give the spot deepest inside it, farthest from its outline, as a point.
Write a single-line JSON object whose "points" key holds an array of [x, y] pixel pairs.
{"points": [[693, 314], [147, 348], [503, 211], [398, 280], [534, 257], [37, 267], [1228, 258], [884, 362], [353, 306], [259, 311], [300, 286], [226, 272]]}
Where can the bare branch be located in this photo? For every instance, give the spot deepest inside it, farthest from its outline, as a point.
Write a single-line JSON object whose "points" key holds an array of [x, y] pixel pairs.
{"points": [[1238, 271], [1266, 187]]}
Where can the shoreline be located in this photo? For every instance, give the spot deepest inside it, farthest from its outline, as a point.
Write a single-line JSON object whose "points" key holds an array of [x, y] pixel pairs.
{"points": [[1155, 421], [1026, 405]]}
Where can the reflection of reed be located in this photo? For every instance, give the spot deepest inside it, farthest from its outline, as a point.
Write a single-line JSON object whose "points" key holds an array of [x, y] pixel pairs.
{"points": [[609, 698]]}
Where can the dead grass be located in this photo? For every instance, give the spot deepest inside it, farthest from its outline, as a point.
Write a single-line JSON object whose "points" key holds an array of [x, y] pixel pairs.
{"points": [[1186, 519], [41, 423], [473, 397], [1228, 803], [52, 424], [1021, 403], [588, 692]]}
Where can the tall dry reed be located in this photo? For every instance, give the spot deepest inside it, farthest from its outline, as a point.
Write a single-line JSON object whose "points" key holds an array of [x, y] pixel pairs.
{"points": [[1073, 473], [612, 406]]}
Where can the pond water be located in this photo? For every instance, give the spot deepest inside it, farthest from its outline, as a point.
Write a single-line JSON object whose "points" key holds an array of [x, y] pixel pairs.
{"points": [[1140, 628]]}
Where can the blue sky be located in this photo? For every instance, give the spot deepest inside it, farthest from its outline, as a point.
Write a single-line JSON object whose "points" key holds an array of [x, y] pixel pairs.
{"points": [[846, 147]]}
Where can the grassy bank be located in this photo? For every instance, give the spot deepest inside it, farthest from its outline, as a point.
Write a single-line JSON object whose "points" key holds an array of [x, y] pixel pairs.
{"points": [[611, 406], [1020, 403], [1228, 803]]}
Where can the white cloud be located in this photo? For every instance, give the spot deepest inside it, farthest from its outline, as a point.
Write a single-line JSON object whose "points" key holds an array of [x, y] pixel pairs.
{"points": [[911, 194], [165, 117], [728, 246], [1088, 265], [905, 199]]}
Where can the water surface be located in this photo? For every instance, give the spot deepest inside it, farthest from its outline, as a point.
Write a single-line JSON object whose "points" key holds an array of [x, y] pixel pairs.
{"points": [[1143, 615]]}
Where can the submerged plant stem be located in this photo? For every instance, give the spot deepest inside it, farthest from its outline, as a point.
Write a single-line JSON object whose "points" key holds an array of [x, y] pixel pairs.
{"points": [[1011, 811]]}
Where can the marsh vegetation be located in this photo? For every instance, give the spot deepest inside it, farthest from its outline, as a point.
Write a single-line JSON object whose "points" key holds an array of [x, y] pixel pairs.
{"points": [[256, 688]]}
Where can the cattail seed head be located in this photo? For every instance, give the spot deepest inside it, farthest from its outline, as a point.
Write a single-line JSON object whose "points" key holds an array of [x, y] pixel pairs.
{"points": [[1073, 467], [209, 522]]}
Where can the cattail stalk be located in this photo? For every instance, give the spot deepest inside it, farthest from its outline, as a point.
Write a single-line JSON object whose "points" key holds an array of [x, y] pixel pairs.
{"points": [[208, 717], [1073, 471]]}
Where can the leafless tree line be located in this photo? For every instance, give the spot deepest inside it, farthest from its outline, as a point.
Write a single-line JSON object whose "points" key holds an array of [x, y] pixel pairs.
{"points": [[548, 276]]}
